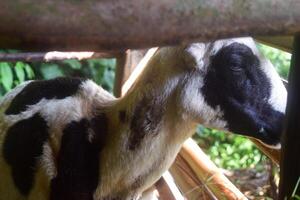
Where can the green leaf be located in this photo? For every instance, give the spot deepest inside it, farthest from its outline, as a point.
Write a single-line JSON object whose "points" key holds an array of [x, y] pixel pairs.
{"points": [[6, 76], [297, 197], [29, 71], [19, 69], [50, 71], [74, 64], [296, 188]]}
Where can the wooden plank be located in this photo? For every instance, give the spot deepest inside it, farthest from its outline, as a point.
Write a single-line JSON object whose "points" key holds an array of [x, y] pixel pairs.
{"points": [[290, 162], [284, 43]]}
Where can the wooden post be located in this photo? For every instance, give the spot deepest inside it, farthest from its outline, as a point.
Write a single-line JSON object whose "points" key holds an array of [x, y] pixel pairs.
{"points": [[126, 63], [120, 77], [290, 156]]}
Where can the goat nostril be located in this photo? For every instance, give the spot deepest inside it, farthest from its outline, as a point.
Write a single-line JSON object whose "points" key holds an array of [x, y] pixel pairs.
{"points": [[263, 132]]}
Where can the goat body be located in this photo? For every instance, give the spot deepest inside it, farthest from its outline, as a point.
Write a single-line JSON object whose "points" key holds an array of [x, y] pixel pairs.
{"points": [[67, 138]]}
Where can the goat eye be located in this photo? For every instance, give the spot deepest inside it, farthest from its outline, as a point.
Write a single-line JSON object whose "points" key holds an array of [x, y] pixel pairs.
{"points": [[236, 68]]}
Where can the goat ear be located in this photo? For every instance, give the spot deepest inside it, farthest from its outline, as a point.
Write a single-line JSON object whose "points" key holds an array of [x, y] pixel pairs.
{"points": [[194, 55]]}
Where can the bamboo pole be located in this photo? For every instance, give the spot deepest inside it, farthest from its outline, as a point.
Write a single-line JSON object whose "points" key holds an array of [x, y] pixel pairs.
{"points": [[190, 186], [105, 25], [167, 188], [209, 173]]}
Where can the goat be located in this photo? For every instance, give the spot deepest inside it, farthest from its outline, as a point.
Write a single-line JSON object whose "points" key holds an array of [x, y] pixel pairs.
{"points": [[68, 139]]}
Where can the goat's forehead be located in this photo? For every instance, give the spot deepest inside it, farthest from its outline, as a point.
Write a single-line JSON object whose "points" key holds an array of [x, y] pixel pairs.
{"points": [[201, 52], [219, 44]]}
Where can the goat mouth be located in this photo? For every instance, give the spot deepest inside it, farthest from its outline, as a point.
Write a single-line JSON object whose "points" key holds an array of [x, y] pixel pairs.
{"points": [[276, 146], [267, 139]]}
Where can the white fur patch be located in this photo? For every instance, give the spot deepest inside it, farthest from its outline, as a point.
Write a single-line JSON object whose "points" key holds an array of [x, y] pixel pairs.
{"points": [[278, 98], [47, 161]]}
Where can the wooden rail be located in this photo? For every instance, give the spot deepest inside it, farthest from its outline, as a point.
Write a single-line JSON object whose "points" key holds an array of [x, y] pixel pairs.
{"points": [[105, 25], [54, 56]]}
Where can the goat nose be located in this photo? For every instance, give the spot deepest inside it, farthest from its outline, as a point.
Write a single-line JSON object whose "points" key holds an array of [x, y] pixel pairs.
{"points": [[269, 138], [263, 132]]}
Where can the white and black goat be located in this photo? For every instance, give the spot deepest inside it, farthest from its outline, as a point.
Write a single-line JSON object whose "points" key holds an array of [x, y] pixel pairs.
{"points": [[68, 139]]}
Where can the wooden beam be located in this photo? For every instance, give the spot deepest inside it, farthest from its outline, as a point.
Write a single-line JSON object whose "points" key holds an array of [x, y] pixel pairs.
{"points": [[105, 25], [53, 56], [290, 162], [284, 43]]}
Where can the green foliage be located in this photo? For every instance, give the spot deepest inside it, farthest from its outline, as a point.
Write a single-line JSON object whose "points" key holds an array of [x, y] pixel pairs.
{"points": [[14, 73], [280, 59], [294, 195], [99, 70], [227, 150]]}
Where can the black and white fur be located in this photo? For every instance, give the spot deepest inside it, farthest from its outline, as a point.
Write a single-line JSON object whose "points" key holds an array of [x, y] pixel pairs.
{"points": [[69, 139]]}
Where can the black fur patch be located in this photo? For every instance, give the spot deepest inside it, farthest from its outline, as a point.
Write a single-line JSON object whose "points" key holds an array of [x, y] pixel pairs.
{"points": [[32, 93], [236, 83], [21, 149], [78, 160], [145, 120]]}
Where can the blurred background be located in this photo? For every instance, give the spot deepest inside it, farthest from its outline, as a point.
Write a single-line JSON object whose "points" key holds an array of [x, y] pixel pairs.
{"points": [[242, 162]]}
